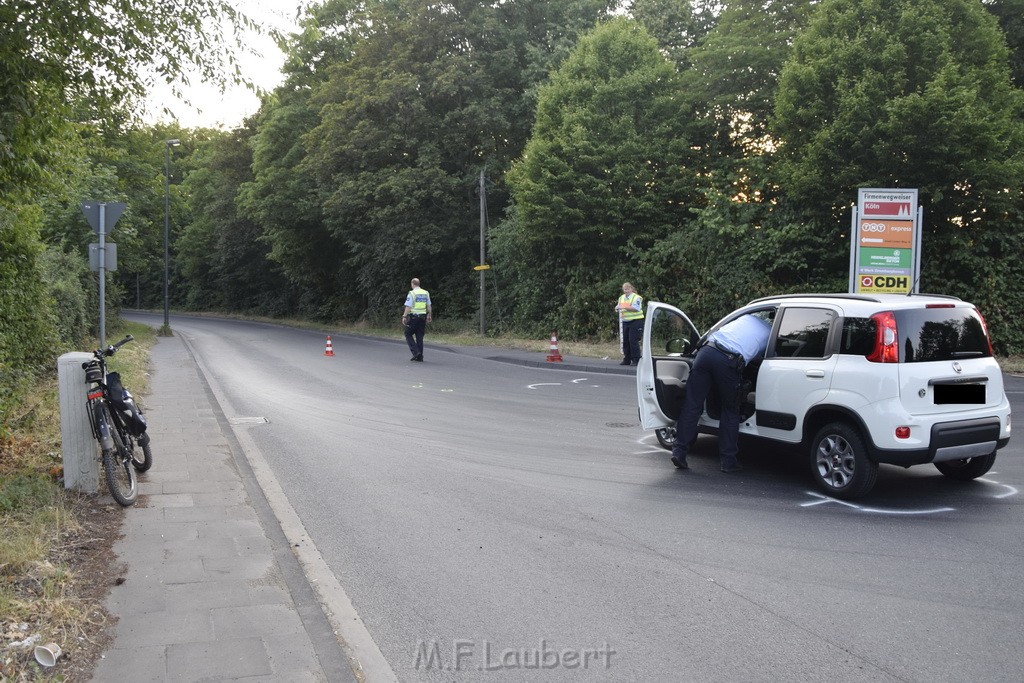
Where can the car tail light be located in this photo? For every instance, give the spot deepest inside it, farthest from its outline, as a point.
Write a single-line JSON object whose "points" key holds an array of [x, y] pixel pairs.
{"points": [[903, 432], [887, 349], [984, 327]]}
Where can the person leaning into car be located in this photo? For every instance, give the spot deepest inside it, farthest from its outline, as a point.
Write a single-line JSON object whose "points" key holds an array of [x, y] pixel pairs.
{"points": [[631, 316], [417, 314], [719, 362]]}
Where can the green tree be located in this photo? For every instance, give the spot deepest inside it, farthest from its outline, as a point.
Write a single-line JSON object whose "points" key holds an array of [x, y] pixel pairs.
{"points": [[430, 96], [606, 174], [678, 25], [221, 257], [282, 198], [908, 93], [1010, 14], [82, 51], [736, 69]]}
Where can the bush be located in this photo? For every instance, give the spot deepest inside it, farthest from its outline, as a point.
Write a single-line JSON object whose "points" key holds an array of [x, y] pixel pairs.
{"points": [[27, 334], [67, 278]]}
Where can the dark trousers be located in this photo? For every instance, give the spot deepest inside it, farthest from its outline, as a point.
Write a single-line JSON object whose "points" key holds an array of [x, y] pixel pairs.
{"points": [[632, 334], [711, 367], [414, 330]]}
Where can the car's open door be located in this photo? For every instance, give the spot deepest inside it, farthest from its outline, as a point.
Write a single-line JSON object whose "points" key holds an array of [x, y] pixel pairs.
{"points": [[670, 341]]}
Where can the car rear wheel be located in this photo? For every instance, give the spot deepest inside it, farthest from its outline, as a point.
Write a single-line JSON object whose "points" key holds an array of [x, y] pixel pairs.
{"points": [[839, 462], [968, 468]]}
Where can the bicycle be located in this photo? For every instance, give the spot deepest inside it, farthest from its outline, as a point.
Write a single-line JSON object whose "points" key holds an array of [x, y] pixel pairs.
{"points": [[118, 425]]}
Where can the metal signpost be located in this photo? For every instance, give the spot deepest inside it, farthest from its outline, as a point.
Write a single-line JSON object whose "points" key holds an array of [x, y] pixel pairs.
{"points": [[102, 216], [885, 242]]}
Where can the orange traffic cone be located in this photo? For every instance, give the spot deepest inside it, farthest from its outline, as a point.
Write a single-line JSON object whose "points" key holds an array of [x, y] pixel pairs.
{"points": [[329, 351], [554, 356]]}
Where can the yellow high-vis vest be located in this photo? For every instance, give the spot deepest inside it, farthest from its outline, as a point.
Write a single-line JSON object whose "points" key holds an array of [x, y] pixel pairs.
{"points": [[420, 297], [633, 299]]}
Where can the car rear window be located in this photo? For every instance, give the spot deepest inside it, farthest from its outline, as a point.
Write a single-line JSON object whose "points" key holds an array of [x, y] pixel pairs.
{"points": [[926, 334], [930, 334]]}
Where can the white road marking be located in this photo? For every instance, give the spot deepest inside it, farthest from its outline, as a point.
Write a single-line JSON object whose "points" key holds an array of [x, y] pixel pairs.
{"points": [[1012, 491], [880, 511], [543, 384]]}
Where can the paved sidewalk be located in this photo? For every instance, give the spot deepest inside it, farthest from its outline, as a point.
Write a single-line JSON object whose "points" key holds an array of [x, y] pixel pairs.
{"points": [[212, 590]]}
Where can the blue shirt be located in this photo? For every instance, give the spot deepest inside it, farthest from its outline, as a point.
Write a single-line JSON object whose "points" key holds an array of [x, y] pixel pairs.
{"points": [[747, 336]]}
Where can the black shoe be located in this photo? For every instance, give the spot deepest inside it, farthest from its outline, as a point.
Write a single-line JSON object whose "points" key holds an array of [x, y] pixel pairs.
{"points": [[414, 358], [735, 468], [419, 358], [636, 362], [680, 462], [624, 362]]}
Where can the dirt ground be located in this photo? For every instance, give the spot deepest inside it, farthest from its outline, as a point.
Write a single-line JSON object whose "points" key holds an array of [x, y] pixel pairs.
{"points": [[88, 554]]}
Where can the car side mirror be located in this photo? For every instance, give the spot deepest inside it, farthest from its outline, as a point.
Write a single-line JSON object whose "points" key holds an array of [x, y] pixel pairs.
{"points": [[677, 346]]}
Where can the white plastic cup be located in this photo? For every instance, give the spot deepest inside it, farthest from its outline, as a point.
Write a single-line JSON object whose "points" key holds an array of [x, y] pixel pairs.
{"points": [[48, 654]]}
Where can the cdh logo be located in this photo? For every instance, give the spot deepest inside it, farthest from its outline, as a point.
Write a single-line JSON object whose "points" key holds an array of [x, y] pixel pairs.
{"points": [[884, 281]]}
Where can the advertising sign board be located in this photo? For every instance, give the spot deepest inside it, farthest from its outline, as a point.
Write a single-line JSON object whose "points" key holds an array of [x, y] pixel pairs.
{"points": [[885, 243]]}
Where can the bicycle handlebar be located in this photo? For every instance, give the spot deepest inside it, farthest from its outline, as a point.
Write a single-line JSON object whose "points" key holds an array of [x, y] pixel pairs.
{"points": [[112, 349]]}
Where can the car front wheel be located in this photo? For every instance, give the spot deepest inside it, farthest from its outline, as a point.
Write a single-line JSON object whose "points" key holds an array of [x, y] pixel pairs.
{"points": [[968, 468], [839, 462], [666, 437]]}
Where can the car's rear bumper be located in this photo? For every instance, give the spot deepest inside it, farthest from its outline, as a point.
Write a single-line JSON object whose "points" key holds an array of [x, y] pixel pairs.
{"points": [[951, 441]]}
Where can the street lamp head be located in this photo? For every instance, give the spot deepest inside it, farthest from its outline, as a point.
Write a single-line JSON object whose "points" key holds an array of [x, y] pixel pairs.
{"points": [[172, 143]]}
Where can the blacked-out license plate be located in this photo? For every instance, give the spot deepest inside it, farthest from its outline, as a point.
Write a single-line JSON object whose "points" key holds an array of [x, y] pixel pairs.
{"points": [[959, 393]]}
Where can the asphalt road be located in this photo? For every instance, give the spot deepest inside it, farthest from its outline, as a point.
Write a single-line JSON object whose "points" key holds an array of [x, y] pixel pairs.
{"points": [[482, 516]]}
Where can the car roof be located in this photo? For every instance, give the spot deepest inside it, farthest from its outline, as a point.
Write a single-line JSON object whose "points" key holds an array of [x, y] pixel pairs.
{"points": [[887, 300]]}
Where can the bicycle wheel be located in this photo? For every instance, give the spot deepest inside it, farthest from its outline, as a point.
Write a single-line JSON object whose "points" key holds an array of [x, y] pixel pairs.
{"points": [[142, 462], [118, 468]]}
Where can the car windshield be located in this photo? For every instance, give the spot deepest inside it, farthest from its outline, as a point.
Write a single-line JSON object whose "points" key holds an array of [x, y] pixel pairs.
{"points": [[931, 334]]}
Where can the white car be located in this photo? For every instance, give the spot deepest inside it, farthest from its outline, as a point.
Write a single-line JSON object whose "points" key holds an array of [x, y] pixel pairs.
{"points": [[852, 380]]}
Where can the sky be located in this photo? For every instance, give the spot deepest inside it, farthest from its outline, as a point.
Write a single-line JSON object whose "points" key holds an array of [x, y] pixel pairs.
{"points": [[213, 109]]}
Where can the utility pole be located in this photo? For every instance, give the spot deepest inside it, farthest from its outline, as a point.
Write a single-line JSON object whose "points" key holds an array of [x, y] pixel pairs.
{"points": [[103, 274], [483, 220]]}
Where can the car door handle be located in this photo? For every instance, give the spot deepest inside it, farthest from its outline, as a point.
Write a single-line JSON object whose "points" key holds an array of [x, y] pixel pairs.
{"points": [[816, 374]]}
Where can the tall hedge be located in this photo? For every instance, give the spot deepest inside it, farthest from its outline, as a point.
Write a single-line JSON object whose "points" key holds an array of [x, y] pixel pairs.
{"points": [[27, 334]]}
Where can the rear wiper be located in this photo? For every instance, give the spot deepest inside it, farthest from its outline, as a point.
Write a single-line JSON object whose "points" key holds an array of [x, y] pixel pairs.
{"points": [[967, 354]]}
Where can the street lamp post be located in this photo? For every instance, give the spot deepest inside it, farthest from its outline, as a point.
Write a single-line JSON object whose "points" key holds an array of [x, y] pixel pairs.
{"points": [[167, 229]]}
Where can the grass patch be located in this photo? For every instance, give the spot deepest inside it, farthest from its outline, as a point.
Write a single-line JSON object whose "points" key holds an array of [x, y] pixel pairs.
{"points": [[1012, 364], [52, 538]]}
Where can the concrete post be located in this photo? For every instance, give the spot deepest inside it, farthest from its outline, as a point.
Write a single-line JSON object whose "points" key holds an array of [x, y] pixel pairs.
{"points": [[81, 465]]}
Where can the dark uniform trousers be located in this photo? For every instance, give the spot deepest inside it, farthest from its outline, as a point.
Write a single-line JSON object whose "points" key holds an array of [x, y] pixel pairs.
{"points": [[414, 330], [632, 333], [712, 367]]}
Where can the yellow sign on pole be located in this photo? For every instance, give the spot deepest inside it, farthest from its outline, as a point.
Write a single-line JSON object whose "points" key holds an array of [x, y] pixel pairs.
{"points": [[483, 267]]}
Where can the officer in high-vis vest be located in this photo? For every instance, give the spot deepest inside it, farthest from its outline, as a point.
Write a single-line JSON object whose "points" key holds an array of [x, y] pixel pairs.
{"points": [[417, 314], [631, 323]]}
